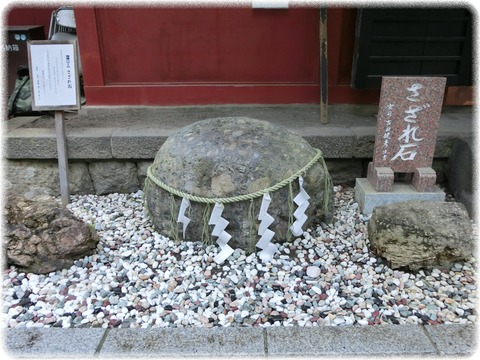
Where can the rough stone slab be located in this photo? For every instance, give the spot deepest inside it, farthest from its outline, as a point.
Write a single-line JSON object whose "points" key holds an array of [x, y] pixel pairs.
{"points": [[138, 142], [335, 142], [452, 339], [184, 342], [89, 143], [367, 198], [41, 177], [348, 340], [364, 141], [114, 176], [31, 144], [20, 121], [41, 143], [344, 171], [52, 342]]}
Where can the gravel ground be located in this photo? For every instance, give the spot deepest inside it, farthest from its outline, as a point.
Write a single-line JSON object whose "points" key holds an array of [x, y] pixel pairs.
{"points": [[139, 278]]}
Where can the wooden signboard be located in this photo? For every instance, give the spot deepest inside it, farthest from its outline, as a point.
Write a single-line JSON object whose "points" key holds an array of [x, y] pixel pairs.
{"points": [[53, 73], [55, 87]]}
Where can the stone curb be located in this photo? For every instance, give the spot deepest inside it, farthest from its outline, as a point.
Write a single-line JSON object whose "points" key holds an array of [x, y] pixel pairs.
{"points": [[347, 136], [396, 340], [111, 143]]}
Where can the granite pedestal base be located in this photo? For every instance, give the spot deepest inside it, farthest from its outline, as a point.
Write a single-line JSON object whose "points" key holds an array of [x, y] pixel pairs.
{"points": [[367, 198]]}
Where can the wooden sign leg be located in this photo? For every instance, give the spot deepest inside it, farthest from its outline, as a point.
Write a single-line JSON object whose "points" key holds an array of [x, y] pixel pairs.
{"points": [[62, 156]]}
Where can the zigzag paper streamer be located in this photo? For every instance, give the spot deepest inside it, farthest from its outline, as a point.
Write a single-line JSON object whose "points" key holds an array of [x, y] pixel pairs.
{"points": [[268, 249], [182, 218], [219, 230], [302, 202]]}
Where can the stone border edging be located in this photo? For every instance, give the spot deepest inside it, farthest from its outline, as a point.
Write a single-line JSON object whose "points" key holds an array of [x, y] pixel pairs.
{"points": [[431, 340]]}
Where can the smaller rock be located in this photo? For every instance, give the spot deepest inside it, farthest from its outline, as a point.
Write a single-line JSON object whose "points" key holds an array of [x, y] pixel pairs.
{"points": [[421, 234], [313, 271], [42, 236]]}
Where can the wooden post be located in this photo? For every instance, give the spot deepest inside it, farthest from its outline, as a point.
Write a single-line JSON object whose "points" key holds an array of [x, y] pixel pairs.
{"points": [[323, 66], [62, 156]]}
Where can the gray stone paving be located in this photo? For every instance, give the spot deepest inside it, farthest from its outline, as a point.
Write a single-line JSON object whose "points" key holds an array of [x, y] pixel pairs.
{"points": [[383, 340]]}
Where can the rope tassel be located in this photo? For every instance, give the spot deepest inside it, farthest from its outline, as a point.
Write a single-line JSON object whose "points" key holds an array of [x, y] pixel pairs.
{"points": [[219, 231]]}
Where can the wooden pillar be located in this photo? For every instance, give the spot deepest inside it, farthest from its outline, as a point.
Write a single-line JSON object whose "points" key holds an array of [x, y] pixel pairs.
{"points": [[323, 66]]}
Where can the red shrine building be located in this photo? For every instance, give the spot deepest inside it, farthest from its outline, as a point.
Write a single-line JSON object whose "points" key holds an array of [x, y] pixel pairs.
{"points": [[248, 55]]}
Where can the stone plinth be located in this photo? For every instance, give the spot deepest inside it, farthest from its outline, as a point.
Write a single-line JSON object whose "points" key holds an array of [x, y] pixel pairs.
{"points": [[368, 198]]}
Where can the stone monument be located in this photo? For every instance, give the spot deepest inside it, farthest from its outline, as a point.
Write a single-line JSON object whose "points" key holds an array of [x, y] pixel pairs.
{"points": [[236, 180], [407, 125]]}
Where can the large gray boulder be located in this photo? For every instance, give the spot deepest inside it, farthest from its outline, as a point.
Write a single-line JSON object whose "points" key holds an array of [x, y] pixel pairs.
{"points": [[226, 157], [421, 234], [41, 236]]}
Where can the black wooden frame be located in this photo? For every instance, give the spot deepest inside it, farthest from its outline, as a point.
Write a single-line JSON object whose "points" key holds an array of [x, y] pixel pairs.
{"points": [[412, 42]]}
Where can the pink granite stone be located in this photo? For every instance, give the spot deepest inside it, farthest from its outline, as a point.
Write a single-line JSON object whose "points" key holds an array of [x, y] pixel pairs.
{"points": [[380, 177], [407, 126], [424, 179]]}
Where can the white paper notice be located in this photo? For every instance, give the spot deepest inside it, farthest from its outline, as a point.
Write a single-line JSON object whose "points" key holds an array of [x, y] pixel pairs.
{"points": [[268, 249], [219, 230], [302, 202], [182, 218], [53, 75]]}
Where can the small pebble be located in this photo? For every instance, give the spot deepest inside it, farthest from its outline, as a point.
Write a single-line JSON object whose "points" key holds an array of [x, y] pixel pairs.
{"points": [[313, 271]]}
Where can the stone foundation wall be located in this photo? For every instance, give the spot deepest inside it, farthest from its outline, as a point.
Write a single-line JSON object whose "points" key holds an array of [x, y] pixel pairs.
{"points": [[33, 177]]}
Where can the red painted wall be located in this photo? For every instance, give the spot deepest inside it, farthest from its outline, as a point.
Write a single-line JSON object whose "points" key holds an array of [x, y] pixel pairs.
{"points": [[208, 45], [153, 56], [199, 56]]}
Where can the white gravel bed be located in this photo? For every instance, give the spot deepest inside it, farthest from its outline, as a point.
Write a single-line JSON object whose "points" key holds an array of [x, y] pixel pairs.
{"points": [[139, 278]]}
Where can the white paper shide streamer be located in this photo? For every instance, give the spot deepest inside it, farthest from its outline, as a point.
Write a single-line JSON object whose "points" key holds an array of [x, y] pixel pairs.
{"points": [[182, 218], [302, 202], [266, 235], [219, 230]]}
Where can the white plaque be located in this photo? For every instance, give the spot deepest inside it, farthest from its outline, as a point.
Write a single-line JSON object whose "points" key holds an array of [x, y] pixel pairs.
{"points": [[54, 75], [270, 4]]}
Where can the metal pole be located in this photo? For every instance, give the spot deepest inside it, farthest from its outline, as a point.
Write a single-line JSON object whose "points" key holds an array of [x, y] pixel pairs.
{"points": [[62, 156]]}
